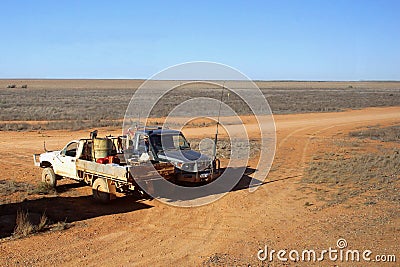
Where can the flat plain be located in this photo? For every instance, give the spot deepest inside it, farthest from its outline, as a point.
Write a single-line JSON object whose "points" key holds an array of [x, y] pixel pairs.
{"points": [[335, 175]]}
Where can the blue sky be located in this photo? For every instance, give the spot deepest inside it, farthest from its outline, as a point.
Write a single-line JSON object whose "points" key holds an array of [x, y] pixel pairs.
{"points": [[270, 40]]}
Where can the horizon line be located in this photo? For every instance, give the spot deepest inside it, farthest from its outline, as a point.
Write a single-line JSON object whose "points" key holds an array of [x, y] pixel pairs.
{"points": [[255, 80]]}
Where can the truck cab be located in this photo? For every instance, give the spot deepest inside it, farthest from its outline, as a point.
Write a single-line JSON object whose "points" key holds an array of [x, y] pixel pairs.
{"points": [[157, 145], [62, 161]]}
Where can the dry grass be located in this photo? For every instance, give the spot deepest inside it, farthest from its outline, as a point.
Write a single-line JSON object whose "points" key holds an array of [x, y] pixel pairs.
{"points": [[42, 223], [336, 168], [42, 189], [9, 187], [224, 147], [73, 125], [61, 225], [100, 103], [24, 226], [59, 104], [340, 177], [14, 192], [386, 134], [351, 171]]}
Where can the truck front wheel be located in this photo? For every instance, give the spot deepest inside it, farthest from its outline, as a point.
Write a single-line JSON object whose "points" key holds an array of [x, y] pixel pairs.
{"points": [[100, 190], [49, 177]]}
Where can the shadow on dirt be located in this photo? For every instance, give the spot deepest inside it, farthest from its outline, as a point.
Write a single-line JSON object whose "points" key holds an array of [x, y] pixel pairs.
{"points": [[246, 181], [65, 209], [73, 209], [203, 192], [200, 194], [243, 183], [68, 187]]}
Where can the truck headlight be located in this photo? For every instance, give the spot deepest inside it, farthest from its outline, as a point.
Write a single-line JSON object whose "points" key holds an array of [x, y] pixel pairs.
{"points": [[179, 164]]}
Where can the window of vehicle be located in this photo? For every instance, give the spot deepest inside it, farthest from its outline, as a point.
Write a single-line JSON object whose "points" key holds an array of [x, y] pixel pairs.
{"points": [[180, 142], [169, 142], [70, 149]]}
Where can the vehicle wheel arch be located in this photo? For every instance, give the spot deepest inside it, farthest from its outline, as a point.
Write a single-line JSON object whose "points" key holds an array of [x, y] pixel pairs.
{"points": [[46, 164]]}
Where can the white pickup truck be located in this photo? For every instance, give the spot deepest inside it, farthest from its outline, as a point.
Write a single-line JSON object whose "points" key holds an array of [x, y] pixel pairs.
{"points": [[79, 160]]}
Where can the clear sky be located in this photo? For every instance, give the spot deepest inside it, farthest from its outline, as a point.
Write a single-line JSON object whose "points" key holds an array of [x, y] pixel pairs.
{"points": [[270, 40]]}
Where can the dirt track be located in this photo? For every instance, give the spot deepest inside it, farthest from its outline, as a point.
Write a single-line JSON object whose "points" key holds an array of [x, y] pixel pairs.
{"points": [[229, 231]]}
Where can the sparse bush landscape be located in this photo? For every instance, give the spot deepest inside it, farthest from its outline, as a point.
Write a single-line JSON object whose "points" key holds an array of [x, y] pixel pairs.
{"points": [[340, 176], [200, 133], [47, 106], [386, 134], [8, 187], [334, 174]]}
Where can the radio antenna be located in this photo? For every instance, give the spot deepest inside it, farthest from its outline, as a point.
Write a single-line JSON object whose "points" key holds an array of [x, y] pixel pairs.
{"points": [[219, 115], [138, 123]]}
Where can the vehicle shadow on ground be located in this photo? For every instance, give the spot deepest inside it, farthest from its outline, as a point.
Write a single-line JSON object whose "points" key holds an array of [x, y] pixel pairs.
{"points": [[65, 209], [223, 184], [245, 182], [199, 194], [248, 182], [68, 187]]}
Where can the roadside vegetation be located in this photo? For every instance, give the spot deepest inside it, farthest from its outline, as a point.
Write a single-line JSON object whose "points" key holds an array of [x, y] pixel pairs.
{"points": [[27, 224], [337, 177], [224, 148], [22, 222], [24, 109], [8, 187], [24, 226], [386, 134], [12, 191]]}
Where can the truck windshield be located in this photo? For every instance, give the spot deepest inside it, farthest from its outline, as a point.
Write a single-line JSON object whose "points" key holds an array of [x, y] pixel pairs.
{"points": [[168, 141]]}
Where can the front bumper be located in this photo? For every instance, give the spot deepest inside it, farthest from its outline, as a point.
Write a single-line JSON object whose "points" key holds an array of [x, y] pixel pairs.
{"points": [[196, 177], [36, 160]]}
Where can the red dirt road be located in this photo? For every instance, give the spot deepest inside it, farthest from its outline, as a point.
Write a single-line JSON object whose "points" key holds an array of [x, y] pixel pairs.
{"points": [[229, 231]]}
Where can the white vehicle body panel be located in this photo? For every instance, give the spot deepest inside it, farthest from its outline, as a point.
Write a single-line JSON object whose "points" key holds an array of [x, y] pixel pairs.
{"points": [[63, 164]]}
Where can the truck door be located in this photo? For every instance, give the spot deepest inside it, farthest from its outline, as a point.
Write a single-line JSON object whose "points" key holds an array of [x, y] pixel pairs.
{"points": [[67, 164]]}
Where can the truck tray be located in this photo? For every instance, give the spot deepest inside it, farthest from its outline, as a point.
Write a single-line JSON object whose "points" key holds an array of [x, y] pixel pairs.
{"points": [[106, 170]]}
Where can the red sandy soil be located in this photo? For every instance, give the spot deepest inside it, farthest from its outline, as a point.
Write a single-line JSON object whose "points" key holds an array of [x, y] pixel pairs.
{"points": [[229, 231]]}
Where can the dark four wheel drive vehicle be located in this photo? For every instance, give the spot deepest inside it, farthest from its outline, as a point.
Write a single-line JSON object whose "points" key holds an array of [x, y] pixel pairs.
{"points": [[164, 145]]}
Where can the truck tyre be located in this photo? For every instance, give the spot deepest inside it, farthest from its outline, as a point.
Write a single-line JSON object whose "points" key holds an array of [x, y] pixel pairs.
{"points": [[100, 191], [49, 177]]}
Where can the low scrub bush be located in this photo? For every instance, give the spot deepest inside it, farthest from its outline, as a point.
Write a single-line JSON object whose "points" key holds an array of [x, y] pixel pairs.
{"points": [[385, 134], [43, 189], [24, 226], [83, 108], [346, 177]]}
